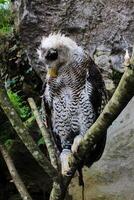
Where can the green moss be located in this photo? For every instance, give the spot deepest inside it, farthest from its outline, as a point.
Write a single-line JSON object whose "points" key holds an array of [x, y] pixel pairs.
{"points": [[19, 105], [116, 76], [5, 17]]}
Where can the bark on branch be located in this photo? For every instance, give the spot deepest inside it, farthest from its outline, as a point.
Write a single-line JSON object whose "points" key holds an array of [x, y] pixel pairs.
{"points": [[47, 138], [23, 133], [120, 98], [56, 189], [14, 174]]}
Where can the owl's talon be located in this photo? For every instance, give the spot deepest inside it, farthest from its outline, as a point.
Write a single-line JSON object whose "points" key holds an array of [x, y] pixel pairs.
{"points": [[64, 157], [77, 140]]}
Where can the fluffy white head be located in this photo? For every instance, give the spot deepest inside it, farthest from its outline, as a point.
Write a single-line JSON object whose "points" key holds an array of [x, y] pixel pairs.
{"points": [[57, 52], [57, 41]]}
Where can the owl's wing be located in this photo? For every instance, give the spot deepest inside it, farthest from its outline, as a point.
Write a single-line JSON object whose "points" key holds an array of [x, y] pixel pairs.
{"points": [[99, 100], [99, 95]]}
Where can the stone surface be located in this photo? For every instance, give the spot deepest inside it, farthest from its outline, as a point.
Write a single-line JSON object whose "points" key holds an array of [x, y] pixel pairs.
{"points": [[112, 177], [104, 27]]}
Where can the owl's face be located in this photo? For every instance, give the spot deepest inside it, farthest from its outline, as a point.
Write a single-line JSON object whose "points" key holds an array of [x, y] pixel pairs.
{"points": [[54, 58], [56, 51]]}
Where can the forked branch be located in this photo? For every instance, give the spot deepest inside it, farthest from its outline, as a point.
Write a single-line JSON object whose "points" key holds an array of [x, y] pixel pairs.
{"points": [[23, 132]]}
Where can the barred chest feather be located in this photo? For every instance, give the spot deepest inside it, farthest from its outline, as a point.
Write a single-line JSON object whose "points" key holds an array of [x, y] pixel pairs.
{"points": [[71, 107]]}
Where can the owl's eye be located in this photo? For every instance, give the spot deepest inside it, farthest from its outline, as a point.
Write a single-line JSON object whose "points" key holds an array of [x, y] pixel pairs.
{"points": [[51, 55]]}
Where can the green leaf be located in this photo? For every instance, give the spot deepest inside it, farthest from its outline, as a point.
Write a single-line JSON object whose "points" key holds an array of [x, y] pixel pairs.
{"points": [[41, 141], [9, 143]]}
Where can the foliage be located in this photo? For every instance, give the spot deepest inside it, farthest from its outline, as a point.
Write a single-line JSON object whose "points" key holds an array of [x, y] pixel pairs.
{"points": [[5, 17], [9, 143], [41, 141], [116, 76], [3, 1], [20, 107]]}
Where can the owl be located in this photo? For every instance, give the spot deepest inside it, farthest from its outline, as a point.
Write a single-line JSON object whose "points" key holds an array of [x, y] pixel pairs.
{"points": [[73, 95]]}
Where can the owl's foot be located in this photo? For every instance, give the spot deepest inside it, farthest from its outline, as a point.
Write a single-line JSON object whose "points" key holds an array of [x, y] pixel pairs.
{"points": [[77, 140], [64, 157]]}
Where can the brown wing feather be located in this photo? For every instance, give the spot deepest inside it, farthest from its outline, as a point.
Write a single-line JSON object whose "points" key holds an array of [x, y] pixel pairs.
{"points": [[99, 97], [99, 100]]}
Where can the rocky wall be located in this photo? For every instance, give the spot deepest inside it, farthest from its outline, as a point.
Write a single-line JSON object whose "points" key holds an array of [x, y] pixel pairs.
{"points": [[104, 27]]}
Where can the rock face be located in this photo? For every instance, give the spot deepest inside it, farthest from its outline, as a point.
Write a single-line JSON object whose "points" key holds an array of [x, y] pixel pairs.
{"points": [[104, 27], [112, 177]]}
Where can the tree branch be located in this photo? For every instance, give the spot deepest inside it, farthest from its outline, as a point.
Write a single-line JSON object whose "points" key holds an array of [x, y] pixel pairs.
{"points": [[47, 138], [56, 189], [123, 94], [14, 174], [119, 100], [23, 133]]}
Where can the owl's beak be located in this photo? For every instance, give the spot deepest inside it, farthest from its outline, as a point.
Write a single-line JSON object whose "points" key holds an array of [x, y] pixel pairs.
{"points": [[52, 72]]}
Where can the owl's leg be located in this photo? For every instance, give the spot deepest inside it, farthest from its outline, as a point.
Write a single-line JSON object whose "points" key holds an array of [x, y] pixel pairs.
{"points": [[84, 125], [66, 142], [69, 147], [77, 140], [64, 157]]}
